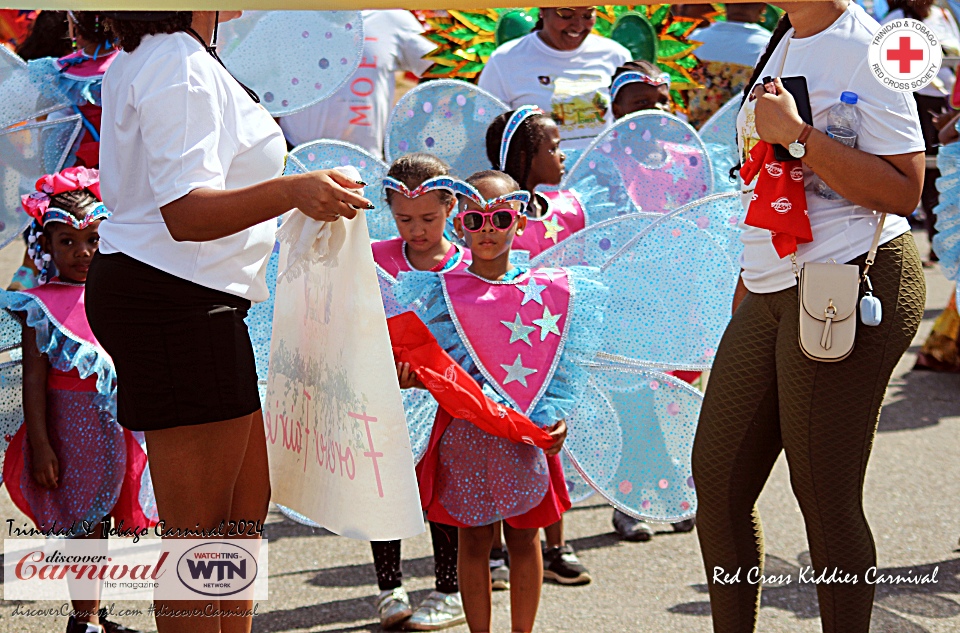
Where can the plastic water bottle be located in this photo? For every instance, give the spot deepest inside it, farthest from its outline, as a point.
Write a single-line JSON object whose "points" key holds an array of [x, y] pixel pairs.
{"points": [[843, 124]]}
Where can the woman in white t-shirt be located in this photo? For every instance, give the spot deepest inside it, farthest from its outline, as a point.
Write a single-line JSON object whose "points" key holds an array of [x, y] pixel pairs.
{"points": [[190, 166], [562, 68], [765, 395]]}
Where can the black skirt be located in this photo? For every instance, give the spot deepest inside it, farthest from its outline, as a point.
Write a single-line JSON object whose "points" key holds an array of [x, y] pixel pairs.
{"points": [[182, 351]]}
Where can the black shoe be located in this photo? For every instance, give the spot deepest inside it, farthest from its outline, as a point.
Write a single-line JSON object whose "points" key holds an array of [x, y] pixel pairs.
{"points": [[630, 529], [561, 565], [114, 627], [684, 526], [76, 626]]}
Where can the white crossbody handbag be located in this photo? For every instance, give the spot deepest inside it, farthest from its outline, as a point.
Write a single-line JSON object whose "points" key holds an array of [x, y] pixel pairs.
{"points": [[829, 295]]}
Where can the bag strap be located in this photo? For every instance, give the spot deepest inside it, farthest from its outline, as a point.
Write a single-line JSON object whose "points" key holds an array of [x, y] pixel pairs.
{"points": [[872, 253]]}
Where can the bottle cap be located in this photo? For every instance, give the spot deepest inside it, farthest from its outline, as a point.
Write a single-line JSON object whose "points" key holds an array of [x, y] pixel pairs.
{"points": [[849, 97]]}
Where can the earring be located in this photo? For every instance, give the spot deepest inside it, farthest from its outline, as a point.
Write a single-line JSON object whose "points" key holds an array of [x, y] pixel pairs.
{"points": [[519, 231]]}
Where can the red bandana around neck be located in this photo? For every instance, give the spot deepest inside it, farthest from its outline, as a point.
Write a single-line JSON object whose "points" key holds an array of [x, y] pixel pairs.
{"points": [[779, 202]]}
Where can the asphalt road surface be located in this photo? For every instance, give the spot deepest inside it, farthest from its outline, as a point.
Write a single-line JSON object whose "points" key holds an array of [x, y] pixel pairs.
{"points": [[321, 582]]}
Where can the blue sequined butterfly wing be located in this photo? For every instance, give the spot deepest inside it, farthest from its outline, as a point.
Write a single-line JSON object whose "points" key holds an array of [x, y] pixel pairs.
{"points": [[596, 244], [11, 381], [27, 91], [648, 473], [327, 154], [719, 135], [419, 407], [672, 287], [946, 243], [27, 152], [446, 118], [311, 55], [649, 162]]}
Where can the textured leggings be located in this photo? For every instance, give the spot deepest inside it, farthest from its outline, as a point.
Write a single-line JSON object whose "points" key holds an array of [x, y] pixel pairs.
{"points": [[765, 396], [386, 560]]}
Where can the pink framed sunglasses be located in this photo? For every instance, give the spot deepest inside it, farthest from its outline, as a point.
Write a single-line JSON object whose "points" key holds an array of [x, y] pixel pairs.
{"points": [[500, 219]]}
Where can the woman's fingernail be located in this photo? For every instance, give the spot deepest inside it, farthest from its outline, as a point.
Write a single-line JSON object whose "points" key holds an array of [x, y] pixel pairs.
{"points": [[370, 205], [361, 183]]}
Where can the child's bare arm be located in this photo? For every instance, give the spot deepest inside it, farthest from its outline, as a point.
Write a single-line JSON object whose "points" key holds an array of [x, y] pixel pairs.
{"points": [[46, 468], [559, 433]]}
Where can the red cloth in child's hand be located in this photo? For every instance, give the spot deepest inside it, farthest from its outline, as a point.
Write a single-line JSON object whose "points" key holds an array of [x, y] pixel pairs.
{"points": [[454, 389], [779, 202]]}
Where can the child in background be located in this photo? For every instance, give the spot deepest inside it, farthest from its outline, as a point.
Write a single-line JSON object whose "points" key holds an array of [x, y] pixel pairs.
{"points": [[502, 324], [70, 461], [525, 143], [421, 199], [660, 175], [639, 86]]}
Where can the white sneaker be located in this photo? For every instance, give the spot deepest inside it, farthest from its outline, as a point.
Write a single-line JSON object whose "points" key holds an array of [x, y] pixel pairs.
{"points": [[393, 606], [438, 611]]}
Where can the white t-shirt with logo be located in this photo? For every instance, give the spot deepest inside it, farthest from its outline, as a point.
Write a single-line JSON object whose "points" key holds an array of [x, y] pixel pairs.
{"points": [[572, 86], [833, 61], [357, 113], [174, 120]]}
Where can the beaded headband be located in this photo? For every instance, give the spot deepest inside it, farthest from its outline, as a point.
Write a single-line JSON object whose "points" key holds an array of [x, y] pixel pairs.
{"points": [[469, 191], [59, 215], [445, 183], [633, 77], [520, 115]]}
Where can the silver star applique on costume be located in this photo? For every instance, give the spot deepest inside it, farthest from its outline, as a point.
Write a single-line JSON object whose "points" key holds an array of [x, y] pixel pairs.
{"points": [[532, 292], [519, 331], [548, 323], [517, 372]]}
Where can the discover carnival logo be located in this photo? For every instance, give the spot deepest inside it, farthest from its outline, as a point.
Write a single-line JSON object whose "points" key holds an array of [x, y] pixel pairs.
{"points": [[905, 55]]}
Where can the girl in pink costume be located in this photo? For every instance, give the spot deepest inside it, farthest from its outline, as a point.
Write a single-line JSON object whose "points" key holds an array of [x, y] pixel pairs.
{"points": [[518, 332], [70, 467], [421, 198]]}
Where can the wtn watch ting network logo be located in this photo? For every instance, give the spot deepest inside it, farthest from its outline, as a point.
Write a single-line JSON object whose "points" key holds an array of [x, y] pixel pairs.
{"points": [[217, 569]]}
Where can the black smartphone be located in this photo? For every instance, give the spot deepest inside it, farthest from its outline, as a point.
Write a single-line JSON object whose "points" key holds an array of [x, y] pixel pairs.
{"points": [[796, 86]]}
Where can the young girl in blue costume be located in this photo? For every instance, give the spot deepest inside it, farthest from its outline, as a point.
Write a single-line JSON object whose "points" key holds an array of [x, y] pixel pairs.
{"points": [[639, 86], [518, 333], [421, 199], [525, 143], [70, 462]]}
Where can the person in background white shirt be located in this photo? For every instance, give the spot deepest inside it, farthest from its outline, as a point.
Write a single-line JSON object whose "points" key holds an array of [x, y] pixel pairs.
{"points": [[357, 113], [739, 40], [728, 52], [932, 100], [562, 68]]}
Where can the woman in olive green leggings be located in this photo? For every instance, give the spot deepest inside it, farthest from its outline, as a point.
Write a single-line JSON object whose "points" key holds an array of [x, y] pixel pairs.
{"points": [[765, 396]]}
